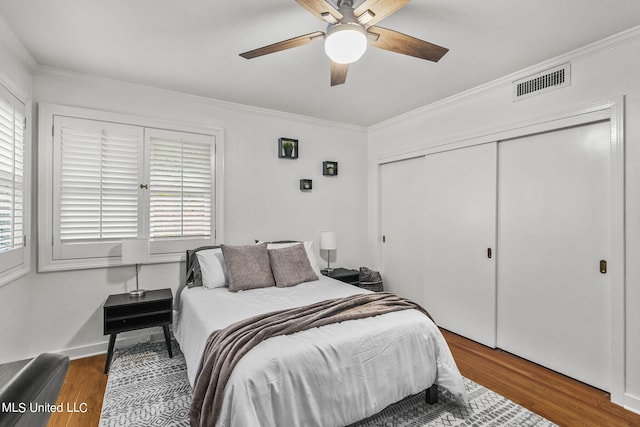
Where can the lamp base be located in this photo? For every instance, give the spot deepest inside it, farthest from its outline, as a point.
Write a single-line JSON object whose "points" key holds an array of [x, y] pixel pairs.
{"points": [[137, 293]]}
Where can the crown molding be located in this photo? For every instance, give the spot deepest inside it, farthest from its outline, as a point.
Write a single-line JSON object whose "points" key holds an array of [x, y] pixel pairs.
{"points": [[580, 54], [24, 58], [8, 36], [90, 78]]}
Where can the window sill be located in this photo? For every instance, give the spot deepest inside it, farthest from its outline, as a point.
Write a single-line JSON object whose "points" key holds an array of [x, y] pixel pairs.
{"points": [[90, 263], [13, 274]]}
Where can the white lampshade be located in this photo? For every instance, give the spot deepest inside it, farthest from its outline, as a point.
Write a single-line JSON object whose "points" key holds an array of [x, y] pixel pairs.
{"points": [[328, 240], [135, 251], [345, 43]]}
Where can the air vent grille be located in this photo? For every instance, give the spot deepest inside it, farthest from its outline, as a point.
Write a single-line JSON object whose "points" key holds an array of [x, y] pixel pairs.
{"points": [[542, 82]]}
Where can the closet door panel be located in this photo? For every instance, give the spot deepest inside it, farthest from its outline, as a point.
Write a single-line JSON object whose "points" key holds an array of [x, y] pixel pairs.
{"points": [[402, 207], [459, 241], [554, 228]]}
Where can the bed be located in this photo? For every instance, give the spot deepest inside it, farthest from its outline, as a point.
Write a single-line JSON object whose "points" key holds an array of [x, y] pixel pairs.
{"points": [[333, 375]]}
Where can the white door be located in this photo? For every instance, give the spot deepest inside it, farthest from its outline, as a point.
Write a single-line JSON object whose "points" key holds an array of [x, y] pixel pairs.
{"points": [[459, 241], [402, 205], [554, 229]]}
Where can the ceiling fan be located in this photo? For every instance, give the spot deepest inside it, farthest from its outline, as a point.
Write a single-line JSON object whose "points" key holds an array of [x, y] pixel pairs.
{"points": [[349, 32]]}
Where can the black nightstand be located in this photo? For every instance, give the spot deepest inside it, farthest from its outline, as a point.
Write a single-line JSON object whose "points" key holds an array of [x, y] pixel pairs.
{"points": [[352, 277], [344, 275], [123, 312]]}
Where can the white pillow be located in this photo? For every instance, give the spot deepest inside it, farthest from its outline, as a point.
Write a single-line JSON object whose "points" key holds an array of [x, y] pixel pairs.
{"points": [[308, 247], [214, 271]]}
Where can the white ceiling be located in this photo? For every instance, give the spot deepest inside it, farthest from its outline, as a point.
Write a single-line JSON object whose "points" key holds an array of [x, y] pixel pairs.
{"points": [[192, 46]]}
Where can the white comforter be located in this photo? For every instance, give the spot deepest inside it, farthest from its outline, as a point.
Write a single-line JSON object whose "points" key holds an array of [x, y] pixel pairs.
{"points": [[329, 376]]}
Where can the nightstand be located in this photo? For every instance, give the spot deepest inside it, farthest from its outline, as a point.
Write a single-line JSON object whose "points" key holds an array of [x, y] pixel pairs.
{"points": [[344, 275], [352, 277], [123, 312]]}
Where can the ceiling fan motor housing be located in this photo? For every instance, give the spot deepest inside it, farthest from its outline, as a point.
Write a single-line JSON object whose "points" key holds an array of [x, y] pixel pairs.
{"points": [[346, 41]]}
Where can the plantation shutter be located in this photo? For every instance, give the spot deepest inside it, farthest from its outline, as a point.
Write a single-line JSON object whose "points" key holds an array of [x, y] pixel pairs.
{"points": [[12, 129], [98, 177], [116, 181], [180, 185]]}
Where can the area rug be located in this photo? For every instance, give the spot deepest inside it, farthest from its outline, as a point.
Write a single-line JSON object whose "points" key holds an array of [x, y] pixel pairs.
{"points": [[147, 388]]}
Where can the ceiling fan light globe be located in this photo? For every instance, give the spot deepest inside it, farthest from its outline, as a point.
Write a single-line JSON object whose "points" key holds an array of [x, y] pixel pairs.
{"points": [[345, 43]]}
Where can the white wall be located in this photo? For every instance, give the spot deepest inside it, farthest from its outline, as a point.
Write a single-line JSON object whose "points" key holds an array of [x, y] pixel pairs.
{"points": [[599, 72], [62, 311]]}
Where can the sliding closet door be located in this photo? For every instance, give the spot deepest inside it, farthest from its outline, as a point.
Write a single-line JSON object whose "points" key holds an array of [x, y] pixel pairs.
{"points": [[459, 241], [554, 230], [401, 197]]}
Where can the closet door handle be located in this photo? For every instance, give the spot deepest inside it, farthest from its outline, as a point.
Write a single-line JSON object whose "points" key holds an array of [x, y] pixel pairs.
{"points": [[489, 253]]}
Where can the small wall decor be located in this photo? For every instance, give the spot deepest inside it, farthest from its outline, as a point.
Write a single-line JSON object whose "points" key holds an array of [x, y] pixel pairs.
{"points": [[306, 185], [287, 148], [329, 168]]}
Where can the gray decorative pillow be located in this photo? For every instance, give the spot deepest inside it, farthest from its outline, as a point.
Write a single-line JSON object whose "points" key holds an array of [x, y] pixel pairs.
{"points": [[291, 266], [248, 267]]}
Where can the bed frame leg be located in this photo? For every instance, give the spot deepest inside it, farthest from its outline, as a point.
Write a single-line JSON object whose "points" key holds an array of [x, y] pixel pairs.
{"points": [[432, 394]]}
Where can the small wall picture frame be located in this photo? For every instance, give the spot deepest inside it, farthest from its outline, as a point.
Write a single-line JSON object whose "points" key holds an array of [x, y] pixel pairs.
{"points": [[306, 185], [287, 148], [329, 168]]}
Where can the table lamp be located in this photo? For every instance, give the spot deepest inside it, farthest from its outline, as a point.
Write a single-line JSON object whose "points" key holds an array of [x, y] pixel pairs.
{"points": [[328, 243], [135, 251]]}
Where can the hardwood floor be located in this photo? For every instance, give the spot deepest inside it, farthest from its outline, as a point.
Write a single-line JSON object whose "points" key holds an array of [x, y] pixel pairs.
{"points": [[83, 389], [558, 398]]}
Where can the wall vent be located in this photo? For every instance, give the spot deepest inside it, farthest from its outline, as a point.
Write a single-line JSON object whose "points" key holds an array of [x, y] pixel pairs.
{"points": [[542, 82]]}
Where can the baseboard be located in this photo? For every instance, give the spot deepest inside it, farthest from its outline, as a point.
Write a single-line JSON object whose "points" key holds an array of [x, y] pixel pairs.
{"points": [[101, 347], [632, 403]]}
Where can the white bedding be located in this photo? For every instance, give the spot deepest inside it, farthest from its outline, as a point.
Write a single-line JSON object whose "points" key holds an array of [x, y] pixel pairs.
{"points": [[329, 376]]}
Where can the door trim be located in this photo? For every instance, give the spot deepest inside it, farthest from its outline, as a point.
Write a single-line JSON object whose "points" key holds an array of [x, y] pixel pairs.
{"points": [[612, 110]]}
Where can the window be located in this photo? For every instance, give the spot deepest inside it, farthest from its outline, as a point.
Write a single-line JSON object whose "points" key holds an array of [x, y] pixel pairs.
{"points": [[12, 188], [97, 171], [180, 182], [116, 177]]}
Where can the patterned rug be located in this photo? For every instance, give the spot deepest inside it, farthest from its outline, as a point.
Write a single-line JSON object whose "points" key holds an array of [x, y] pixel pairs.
{"points": [[147, 388]]}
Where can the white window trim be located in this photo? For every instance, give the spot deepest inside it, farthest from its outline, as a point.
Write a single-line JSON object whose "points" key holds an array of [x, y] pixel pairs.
{"points": [[10, 274], [46, 113]]}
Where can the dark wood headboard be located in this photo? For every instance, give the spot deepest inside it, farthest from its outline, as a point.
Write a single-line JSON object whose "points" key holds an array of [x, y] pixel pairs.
{"points": [[191, 253]]}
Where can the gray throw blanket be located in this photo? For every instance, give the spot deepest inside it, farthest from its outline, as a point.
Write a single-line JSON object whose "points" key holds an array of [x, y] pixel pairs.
{"points": [[226, 347]]}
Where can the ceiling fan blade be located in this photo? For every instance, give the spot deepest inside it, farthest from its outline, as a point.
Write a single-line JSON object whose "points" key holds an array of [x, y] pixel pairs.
{"points": [[338, 73], [321, 10], [395, 41], [372, 11], [283, 45]]}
